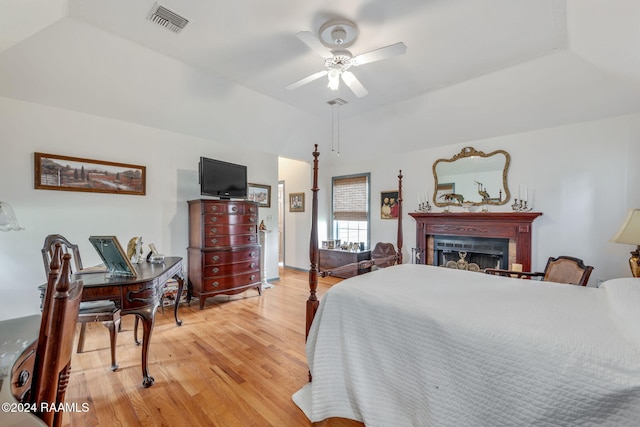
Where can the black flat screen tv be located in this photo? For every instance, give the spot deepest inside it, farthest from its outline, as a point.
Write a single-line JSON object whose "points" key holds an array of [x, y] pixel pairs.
{"points": [[222, 179]]}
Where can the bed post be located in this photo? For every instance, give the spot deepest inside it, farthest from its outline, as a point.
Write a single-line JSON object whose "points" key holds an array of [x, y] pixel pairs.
{"points": [[400, 238], [312, 302]]}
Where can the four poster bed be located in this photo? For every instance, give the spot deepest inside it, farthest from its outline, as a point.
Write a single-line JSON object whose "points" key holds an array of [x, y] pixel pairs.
{"points": [[414, 345]]}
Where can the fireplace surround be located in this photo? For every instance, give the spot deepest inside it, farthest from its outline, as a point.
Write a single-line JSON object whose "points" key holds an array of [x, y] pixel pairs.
{"points": [[514, 226]]}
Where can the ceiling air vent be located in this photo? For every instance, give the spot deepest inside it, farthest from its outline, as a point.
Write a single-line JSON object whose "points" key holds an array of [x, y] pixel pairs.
{"points": [[337, 101], [168, 19]]}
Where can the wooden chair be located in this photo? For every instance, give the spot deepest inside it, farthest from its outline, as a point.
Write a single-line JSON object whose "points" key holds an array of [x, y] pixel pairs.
{"points": [[563, 269], [384, 255], [52, 364], [104, 311]]}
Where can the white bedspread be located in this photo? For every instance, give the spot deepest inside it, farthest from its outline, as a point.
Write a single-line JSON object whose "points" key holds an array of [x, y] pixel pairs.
{"points": [[415, 345]]}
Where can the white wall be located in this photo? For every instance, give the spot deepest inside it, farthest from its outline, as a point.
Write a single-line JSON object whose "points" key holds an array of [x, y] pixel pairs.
{"points": [[159, 217], [582, 177]]}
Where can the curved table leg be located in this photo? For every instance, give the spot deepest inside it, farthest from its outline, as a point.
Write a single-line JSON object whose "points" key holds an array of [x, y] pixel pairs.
{"points": [[180, 279], [148, 319]]}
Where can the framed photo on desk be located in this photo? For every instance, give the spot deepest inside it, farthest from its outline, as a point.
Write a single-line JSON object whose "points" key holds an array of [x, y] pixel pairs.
{"points": [[112, 255]]}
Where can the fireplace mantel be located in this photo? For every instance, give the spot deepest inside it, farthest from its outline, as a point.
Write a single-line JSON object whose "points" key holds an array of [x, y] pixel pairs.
{"points": [[515, 226]]}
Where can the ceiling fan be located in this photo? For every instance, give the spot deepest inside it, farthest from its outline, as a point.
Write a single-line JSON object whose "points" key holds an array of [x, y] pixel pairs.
{"points": [[331, 42]]}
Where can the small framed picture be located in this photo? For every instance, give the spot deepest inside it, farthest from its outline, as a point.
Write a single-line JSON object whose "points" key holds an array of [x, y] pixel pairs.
{"points": [[261, 194], [296, 202], [389, 207]]}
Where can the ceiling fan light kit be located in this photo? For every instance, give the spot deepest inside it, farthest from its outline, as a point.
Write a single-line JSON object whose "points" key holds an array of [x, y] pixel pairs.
{"points": [[331, 42]]}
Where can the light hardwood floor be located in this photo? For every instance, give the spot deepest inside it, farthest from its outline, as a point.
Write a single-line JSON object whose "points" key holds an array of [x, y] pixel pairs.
{"points": [[235, 363]]}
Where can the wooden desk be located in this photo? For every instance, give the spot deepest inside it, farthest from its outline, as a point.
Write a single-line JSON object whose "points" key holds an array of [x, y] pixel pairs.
{"points": [[138, 295], [18, 337]]}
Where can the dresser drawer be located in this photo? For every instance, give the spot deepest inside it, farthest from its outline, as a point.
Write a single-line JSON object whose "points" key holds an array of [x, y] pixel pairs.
{"points": [[230, 208], [211, 271], [239, 239], [217, 258], [219, 284], [214, 219], [218, 229]]}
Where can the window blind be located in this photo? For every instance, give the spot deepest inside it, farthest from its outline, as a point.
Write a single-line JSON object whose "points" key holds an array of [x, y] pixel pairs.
{"points": [[350, 198]]}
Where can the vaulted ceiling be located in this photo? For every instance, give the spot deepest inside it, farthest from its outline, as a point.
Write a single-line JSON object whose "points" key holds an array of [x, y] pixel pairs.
{"points": [[473, 68]]}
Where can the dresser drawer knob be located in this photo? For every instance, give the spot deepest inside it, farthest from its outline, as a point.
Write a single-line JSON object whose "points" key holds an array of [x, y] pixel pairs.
{"points": [[214, 230], [252, 209], [252, 219], [214, 208], [216, 257], [214, 219], [252, 254], [215, 270], [252, 265], [253, 277], [252, 238], [214, 241], [234, 209], [215, 284]]}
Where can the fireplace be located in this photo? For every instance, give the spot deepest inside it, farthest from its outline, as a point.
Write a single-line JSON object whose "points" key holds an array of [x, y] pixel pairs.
{"points": [[514, 227], [481, 251]]}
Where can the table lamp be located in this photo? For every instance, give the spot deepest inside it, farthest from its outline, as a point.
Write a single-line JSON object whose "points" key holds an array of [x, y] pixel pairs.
{"points": [[629, 233]]}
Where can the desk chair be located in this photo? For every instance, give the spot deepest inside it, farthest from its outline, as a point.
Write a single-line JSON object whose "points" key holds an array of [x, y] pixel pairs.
{"points": [[104, 311], [52, 364], [563, 269]]}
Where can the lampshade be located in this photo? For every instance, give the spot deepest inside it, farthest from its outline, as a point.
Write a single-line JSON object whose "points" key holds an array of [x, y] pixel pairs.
{"points": [[8, 220], [629, 232]]}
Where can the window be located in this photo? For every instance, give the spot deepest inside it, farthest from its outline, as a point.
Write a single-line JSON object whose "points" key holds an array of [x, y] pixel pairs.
{"points": [[350, 208]]}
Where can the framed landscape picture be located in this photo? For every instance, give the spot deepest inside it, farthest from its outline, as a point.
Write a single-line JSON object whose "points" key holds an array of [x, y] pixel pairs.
{"points": [[54, 172], [261, 194]]}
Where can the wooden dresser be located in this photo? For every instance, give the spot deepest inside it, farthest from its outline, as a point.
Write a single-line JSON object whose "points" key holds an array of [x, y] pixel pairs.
{"points": [[224, 252]]}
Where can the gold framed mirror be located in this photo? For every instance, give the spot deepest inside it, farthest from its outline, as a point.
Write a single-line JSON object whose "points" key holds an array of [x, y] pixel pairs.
{"points": [[472, 177]]}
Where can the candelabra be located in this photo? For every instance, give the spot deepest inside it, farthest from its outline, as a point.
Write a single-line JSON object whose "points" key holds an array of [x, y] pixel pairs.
{"points": [[424, 207], [520, 206]]}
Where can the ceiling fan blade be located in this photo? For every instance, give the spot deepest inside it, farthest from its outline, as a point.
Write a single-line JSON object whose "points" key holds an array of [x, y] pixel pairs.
{"points": [[312, 41], [307, 79], [354, 84], [381, 53]]}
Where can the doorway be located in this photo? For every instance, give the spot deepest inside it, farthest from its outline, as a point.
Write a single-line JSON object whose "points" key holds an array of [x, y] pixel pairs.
{"points": [[280, 223]]}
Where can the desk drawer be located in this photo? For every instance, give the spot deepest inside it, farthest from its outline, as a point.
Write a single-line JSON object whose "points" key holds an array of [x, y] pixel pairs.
{"points": [[230, 269], [22, 372], [214, 219], [217, 229], [141, 295], [217, 258], [239, 239], [222, 283]]}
